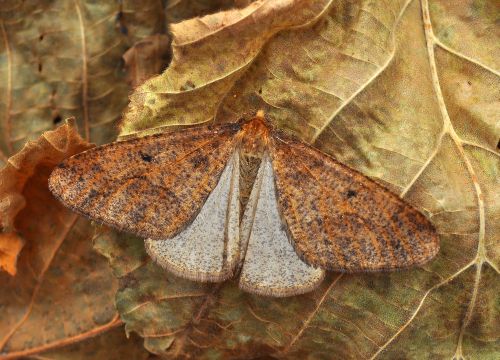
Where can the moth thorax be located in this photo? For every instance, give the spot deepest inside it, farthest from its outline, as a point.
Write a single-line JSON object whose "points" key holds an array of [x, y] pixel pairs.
{"points": [[249, 166], [255, 137], [254, 143]]}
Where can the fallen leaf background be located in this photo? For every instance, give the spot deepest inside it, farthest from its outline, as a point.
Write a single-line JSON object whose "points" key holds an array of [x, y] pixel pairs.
{"points": [[405, 91], [59, 59]]}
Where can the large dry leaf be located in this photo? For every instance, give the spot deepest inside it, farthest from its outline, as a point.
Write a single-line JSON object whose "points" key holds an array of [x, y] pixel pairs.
{"points": [[63, 58], [57, 58], [389, 88]]}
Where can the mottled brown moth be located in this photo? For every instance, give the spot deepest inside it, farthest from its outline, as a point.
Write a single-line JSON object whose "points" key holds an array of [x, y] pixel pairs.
{"points": [[303, 214]]}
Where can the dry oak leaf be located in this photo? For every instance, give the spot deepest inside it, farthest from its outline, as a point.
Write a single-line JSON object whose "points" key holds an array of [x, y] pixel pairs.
{"points": [[62, 292], [386, 87]]}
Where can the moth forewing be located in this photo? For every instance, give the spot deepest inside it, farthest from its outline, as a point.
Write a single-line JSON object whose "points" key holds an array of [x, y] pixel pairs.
{"points": [[346, 222], [150, 186], [208, 248], [270, 264]]}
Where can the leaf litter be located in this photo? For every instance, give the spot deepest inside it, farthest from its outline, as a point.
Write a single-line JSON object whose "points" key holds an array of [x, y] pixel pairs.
{"points": [[401, 120], [58, 59]]}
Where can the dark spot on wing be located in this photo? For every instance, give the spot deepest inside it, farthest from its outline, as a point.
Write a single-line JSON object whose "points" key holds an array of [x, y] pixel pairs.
{"points": [[200, 160], [146, 157], [351, 193]]}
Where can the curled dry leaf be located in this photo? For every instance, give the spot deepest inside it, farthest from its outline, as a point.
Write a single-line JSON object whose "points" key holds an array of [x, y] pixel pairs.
{"points": [[389, 88], [16, 177], [171, 98], [62, 289]]}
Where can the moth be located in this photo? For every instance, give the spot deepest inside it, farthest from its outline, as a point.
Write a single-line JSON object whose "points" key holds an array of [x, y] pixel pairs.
{"points": [[303, 213]]}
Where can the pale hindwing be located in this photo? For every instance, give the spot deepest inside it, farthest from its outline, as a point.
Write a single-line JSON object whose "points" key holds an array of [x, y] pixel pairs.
{"points": [[208, 249], [270, 265]]}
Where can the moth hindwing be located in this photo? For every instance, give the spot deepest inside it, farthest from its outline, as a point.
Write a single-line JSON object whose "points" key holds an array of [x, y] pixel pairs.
{"points": [[208, 248], [271, 266]]}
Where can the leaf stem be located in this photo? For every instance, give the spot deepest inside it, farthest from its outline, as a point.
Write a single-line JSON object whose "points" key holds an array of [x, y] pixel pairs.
{"points": [[8, 101], [85, 85]]}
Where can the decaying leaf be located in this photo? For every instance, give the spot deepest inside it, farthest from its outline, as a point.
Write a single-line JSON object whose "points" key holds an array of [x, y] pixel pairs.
{"points": [[393, 90], [61, 288], [21, 171], [60, 59], [57, 59], [146, 58]]}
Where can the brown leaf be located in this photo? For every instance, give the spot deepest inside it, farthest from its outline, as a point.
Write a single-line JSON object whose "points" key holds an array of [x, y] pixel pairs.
{"points": [[26, 168], [146, 58], [58, 275], [61, 289]]}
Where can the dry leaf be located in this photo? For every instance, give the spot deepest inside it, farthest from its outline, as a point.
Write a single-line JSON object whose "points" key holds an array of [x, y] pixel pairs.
{"points": [[146, 58], [59, 279], [388, 88], [58, 59], [63, 58], [27, 168]]}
